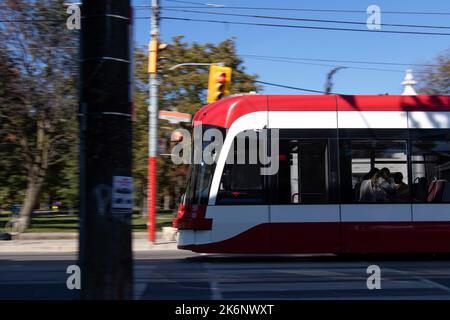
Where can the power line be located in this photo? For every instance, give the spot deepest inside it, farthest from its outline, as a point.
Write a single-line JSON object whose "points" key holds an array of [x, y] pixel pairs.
{"points": [[340, 61], [304, 10], [289, 87], [294, 60], [201, 5], [189, 2], [328, 65], [298, 60], [274, 25], [308, 20], [304, 27]]}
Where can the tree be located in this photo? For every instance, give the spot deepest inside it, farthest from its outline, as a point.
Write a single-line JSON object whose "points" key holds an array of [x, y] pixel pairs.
{"points": [[11, 175], [183, 89], [39, 98], [435, 80]]}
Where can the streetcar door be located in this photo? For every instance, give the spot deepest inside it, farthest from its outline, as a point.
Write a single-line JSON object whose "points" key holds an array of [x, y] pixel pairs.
{"points": [[376, 209], [304, 214], [430, 159]]}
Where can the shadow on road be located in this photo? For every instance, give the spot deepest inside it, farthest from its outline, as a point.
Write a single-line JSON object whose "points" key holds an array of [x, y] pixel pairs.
{"points": [[257, 258]]}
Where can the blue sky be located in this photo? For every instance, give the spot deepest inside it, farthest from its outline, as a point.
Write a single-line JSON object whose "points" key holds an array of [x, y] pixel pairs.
{"points": [[316, 44]]}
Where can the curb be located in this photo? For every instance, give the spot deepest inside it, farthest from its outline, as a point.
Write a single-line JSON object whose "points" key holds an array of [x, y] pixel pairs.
{"points": [[60, 242], [71, 246], [69, 236]]}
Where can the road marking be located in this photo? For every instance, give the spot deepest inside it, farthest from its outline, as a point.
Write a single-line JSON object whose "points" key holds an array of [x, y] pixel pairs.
{"points": [[433, 283], [422, 279], [213, 283], [138, 290], [313, 273]]}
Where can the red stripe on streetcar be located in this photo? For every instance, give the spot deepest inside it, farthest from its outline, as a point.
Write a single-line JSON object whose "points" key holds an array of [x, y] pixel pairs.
{"points": [[224, 112], [335, 237], [393, 103], [301, 103]]}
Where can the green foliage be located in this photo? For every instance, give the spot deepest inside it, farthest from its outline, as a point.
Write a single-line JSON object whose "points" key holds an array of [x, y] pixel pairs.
{"points": [[62, 181]]}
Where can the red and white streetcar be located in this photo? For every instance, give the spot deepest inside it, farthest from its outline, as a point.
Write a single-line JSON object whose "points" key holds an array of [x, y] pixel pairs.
{"points": [[330, 152]]}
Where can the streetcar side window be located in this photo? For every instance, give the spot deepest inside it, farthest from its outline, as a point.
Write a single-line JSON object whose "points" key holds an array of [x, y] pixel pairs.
{"points": [[430, 166], [302, 177], [374, 171], [242, 182]]}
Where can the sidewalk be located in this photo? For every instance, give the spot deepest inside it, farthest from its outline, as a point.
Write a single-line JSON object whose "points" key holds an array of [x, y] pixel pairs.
{"points": [[68, 242], [69, 235]]}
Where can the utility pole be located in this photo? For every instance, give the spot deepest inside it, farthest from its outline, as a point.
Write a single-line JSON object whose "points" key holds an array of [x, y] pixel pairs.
{"points": [[106, 189], [153, 48]]}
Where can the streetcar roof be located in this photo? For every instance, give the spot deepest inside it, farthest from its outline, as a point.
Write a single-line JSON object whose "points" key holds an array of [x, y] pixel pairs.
{"points": [[225, 111]]}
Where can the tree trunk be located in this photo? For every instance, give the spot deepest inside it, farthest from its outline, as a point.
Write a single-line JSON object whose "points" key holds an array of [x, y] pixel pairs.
{"points": [[29, 203], [37, 169]]}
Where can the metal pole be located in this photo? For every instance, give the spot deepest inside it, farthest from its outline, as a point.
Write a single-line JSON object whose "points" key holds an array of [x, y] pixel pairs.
{"points": [[330, 75], [222, 64], [105, 256], [153, 121]]}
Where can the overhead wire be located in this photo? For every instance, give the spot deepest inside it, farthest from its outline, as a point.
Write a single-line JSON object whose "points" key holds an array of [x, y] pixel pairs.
{"points": [[305, 19], [301, 27]]}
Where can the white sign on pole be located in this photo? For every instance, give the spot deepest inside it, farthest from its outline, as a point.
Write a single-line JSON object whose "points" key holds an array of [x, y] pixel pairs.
{"points": [[174, 116], [122, 193]]}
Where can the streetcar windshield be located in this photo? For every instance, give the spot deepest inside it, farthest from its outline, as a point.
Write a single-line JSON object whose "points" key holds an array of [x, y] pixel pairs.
{"points": [[201, 170]]}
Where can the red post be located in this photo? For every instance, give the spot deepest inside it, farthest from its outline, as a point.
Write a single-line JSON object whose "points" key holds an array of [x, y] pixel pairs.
{"points": [[151, 221], [152, 121]]}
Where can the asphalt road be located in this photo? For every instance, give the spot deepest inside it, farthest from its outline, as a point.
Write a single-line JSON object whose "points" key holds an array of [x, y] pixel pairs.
{"points": [[172, 274]]}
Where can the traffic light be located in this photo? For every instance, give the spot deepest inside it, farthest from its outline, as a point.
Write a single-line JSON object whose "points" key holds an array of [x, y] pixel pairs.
{"points": [[219, 83], [153, 48]]}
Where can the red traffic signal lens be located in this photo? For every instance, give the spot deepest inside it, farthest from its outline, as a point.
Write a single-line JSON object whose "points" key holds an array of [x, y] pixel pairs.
{"points": [[222, 77]]}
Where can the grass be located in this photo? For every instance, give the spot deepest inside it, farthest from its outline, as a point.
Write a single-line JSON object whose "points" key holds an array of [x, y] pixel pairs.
{"points": [[55, 222]]}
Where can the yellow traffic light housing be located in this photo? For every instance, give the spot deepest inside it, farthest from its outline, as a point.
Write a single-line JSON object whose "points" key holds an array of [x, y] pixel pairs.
{"points": [[152, 55], [219, 83], [153, 48]]}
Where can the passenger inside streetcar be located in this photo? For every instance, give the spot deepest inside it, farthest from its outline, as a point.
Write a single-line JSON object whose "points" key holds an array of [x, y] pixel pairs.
{"points": [[381, 187], [401, 188]]}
